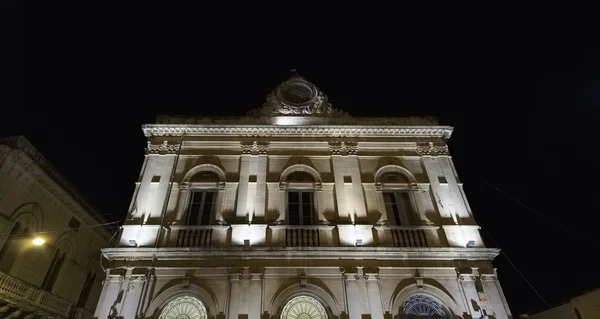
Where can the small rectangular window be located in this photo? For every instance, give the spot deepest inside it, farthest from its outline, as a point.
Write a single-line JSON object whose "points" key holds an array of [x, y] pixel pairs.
{"points": [[156, 179], [442, 179], [347, 179], [74, 224], [200, 207], [252, 179]]}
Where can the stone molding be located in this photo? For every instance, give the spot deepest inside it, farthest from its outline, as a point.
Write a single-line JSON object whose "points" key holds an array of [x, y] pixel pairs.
{"points": [[343, 148], [337, 253], [254, 148], [164, 148], [152, 130]]}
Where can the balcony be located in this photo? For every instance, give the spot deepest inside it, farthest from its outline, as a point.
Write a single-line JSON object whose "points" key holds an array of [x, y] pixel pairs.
{"points": [[304, 236], [409, 236], [29, 296]]}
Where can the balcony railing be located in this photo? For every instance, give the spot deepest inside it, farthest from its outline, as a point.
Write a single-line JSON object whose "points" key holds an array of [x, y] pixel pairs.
{"points": [[194, 237], [302, 237], [409, 238], [17, 289]]}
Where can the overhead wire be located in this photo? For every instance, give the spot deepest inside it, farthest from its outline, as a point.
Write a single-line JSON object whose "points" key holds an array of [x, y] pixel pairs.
{"points": [[58, 230]]}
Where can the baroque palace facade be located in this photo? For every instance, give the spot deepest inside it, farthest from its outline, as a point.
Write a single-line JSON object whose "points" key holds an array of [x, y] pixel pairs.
{"points": [[299, 211]]}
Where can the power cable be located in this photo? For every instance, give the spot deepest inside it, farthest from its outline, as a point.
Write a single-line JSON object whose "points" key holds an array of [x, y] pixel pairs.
{"points": [[58, 230], [515, 267], [529, 208]]}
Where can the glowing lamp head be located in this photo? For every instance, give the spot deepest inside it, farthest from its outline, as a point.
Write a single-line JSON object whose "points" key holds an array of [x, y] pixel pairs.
{"points": [[38, 241]]}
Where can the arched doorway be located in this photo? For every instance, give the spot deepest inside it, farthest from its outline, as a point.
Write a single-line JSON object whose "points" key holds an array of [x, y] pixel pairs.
{"points": [[303, 307], [421, 306], [184, 307]]}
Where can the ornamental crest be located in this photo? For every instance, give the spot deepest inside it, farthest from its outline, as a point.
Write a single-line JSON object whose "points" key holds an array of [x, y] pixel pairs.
{"points": [[296, 96]]}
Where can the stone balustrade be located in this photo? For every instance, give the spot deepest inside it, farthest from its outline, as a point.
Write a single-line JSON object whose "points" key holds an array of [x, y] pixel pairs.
{"points": [[19, 290], [309, 236]]}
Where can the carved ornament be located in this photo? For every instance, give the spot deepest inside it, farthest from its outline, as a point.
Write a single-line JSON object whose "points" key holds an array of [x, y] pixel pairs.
{"points": [[164, 148], [255, 148], [296, 96], [343, 148], [432, 149]]}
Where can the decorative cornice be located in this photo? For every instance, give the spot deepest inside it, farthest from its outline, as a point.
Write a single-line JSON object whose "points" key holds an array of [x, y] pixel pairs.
{"points": [[254, 148], [349, 253], [343, 148], [163, 148], [152, 130]]}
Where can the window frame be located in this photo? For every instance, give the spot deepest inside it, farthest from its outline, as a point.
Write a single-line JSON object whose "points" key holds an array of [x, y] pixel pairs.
{"points": [[297, 188], [190, 196]]}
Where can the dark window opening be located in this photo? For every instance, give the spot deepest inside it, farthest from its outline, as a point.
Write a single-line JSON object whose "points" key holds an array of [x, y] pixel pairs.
{"points": [[200, 207], [85, 291], [156, 179], [53, 271], [301, 208], [397, 205], [74, 224]]}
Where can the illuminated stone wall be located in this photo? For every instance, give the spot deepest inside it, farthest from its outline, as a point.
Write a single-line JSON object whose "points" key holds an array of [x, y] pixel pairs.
{"points": [[356, 258]]}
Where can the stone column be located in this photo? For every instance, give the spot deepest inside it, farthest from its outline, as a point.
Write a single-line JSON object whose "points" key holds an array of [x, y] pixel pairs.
{"points": [[374, 295], [356, 304], [467, 282], [261, 187], [234, 295], [133, 295], [339, 170], [357, 201], [242, 200], [111, 297], [496, 303], [255, 298]]}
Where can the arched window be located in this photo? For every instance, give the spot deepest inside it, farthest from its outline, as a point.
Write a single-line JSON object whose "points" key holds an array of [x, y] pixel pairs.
{"points": [[53, 270], [202, 198], [303, 307], [397, 197], [9, 251], [420, 306], [87, 288], [184, 307], [301, 199]]}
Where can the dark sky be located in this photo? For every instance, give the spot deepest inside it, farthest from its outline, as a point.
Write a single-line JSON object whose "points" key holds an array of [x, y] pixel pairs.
{"points": [[520, 85]]}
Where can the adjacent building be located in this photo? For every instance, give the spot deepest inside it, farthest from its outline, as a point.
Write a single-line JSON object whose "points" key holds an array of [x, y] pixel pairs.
{"points": [[59, 276], [299, 210]]}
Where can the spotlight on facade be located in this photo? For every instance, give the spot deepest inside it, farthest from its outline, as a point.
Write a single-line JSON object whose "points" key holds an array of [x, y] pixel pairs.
{"points": [[359, 242], [38, 241], [246, 242], [471, 244], [132, 243]]}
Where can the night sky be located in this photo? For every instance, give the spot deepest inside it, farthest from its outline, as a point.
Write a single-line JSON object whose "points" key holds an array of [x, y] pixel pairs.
{"points": [[520, 86]]}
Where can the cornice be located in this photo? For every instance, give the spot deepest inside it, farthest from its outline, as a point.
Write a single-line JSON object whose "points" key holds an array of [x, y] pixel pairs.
{"points": [[349, 253], [151, 130]]}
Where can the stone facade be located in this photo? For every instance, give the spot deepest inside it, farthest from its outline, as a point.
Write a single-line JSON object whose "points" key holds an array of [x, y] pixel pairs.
{"points": [[299, 210], [61, 278]]}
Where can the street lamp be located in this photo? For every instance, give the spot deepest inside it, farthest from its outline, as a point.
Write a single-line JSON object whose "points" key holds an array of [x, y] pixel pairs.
{"points": [[38, 241]]}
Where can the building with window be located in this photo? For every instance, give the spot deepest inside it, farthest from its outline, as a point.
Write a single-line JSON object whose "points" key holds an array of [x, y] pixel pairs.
{"points": [[49, 240], [297, 211]]}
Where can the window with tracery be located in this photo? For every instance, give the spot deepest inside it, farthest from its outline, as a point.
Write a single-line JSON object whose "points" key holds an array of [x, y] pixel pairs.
{"points": [[303, 307], [423, 307], [185, 307]]}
